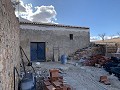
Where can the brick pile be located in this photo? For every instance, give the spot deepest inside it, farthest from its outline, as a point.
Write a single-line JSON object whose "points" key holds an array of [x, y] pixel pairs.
{"points": [[55, 82], [96, 59]]}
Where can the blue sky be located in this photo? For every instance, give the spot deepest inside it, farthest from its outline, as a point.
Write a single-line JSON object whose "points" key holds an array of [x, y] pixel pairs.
{"points": [[102, 16]]}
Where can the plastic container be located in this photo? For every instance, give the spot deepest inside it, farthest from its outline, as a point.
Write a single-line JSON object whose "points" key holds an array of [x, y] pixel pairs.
{"points": [[63, 59], [28, 82]]}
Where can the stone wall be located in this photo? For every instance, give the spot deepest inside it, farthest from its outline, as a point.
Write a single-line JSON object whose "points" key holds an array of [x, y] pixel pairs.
{"points": [[54, 38], [9, 45]]}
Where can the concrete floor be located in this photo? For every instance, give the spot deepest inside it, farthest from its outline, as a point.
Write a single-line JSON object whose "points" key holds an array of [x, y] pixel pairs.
{"points": [[79, 77]]}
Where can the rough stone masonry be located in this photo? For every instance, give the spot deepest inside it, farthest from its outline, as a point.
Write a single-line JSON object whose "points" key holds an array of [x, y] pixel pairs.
{"points": [[9, 45], [57, 39]]}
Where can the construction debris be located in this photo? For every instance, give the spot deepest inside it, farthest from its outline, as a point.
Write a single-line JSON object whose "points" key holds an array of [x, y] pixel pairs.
{"points": [[76, 77], [87, 52], [96, 59], [113, 66], [104, 79], [55, 82]]}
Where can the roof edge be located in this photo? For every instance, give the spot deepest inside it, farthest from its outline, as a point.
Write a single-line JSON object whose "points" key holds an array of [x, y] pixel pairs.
{"points": [[50, 24]]}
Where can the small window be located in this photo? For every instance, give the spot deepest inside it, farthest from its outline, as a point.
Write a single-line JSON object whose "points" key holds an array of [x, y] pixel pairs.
{"points": [[71, 36]]}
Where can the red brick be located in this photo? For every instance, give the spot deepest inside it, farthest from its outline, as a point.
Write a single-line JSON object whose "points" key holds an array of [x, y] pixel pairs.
{"points": [[104, 80]]}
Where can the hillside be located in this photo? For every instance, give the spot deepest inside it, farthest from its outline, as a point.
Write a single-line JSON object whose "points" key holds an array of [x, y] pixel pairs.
{"points": [[114, 40]]}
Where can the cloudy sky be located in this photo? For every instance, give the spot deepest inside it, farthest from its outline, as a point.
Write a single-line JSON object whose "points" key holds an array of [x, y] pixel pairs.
{"points": [[45, 14], [102, 16]]}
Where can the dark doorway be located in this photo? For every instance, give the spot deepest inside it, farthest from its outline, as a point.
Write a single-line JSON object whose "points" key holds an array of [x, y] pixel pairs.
{"points": [[37, 51]]}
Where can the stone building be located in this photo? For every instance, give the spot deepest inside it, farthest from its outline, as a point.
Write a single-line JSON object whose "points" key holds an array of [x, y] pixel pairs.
{"points": [[40, 42], [9, 45], [43, 42]]}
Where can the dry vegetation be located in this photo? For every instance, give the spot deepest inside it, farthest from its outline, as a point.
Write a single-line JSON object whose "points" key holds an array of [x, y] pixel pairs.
{"points": [[114, 40]]}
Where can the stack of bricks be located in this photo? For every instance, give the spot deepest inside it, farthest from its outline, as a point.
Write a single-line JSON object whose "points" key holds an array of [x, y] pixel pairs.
{"points": [[55, 81], [96, 59]]}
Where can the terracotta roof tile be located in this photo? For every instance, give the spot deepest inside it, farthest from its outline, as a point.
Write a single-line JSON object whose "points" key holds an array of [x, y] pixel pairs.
{"points": [[50, 24]]}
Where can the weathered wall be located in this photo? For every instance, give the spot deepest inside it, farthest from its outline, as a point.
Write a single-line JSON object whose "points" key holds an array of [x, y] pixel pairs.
{"points": [[54, 37], [9, 44]]}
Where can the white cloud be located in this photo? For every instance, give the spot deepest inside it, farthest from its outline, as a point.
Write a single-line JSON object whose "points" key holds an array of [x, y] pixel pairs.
{"points": [[111, 37], [21, 5], [94, 38], [45, 14]]}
